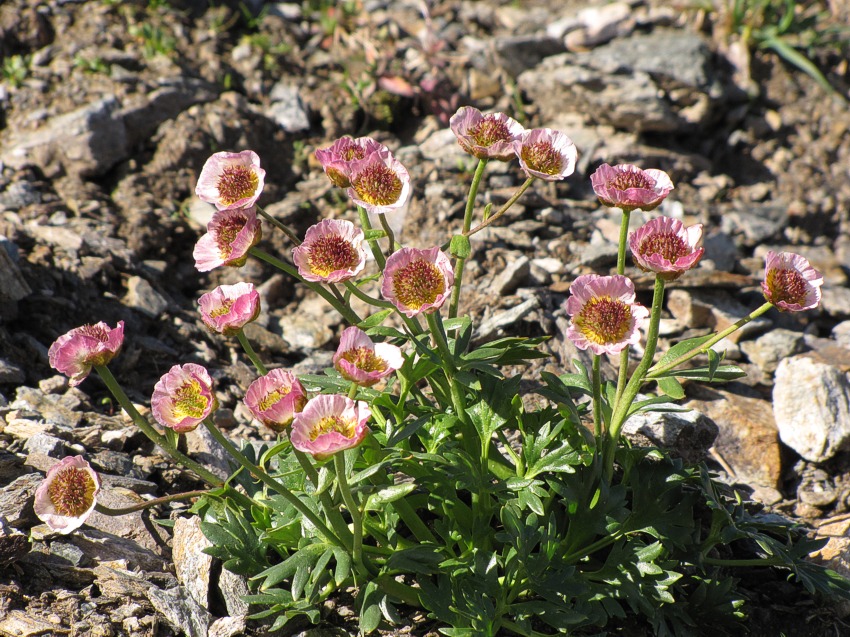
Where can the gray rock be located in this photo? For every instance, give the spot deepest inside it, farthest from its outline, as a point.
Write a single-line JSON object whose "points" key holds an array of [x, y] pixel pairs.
{"points": [[811, 403], [74, 554], [58, 410], [596, 255], [19, 194], [836, 301], [86, 142], [841, 334], [181, 612], [142, 296], [659, 82], [287, 109], [755, 225], [62, 237], [601, 24], [500, 320], [228, 626], [720, 250], [45, 444], [518, 53], [512, 276], [150, 109], [687, 434], [769, 349], [16, 500], [11, 374], [191, 565]]}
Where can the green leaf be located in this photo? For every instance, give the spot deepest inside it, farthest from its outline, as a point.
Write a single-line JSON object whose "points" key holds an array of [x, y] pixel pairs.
{"points": [[373, 234], [713, 361], [721, 374], [386, 495], [682, 348], [672, 387], [375, 319], [370, 610], [460, 246], [286, 569]]}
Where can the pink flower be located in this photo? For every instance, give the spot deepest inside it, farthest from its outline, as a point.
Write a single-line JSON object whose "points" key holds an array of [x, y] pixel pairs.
{"points": [[605, 317], [333, 251], [230, 234], [546, 154], [361, 361], [329, 424], [417, 281], [379, 182], [337, 158], [228, 308], [75, 353], [790, 282], [666, 247], [275, 398], [628, 187], [183, 397], [68, 494], [231, 180], [490, 136]]}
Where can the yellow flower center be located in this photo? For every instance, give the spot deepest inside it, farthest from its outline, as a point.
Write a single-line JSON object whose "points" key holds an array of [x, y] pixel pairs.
{"points": [[223, 309], [668, 245], [418, 283], [365, 359], [377, 184], [273, 397], [235, 183], [631, 179], [72, 491], [333, 423], [226, 233], [489, 131], [331, 253], [189, 401], [787, 285], [542, 157], [604, 320]]}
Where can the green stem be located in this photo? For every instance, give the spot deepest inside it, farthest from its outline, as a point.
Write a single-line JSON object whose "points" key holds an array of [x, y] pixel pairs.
{"points": [[622, 377], [353, 509], [390, 236], [266, 479], [360, 294], [657, 371], [435, 325], [467, 224], [518, 463], [510, 202], [249, 351], [100, 508], [373, 243], [331, 510], [592, 548], [147, 429], [347, 313], [621, 407], [596, 386], [406, 594], [280, 226]]}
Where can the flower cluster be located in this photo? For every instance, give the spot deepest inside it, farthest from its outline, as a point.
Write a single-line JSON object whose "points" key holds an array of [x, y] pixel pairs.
{"points": [[450, 432]]}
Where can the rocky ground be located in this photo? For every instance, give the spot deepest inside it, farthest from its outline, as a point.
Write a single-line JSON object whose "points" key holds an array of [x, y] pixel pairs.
{"points": [[108, 110]]}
